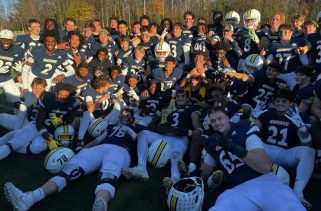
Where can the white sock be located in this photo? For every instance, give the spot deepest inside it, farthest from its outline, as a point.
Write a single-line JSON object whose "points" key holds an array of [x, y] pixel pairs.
{"points": [[38, 194], [4, 151], [191, 167]]}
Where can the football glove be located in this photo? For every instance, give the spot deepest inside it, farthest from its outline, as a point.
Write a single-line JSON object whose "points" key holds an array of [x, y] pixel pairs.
{"points": [[293, 115], [56, 121], [52, 144], [229, 145], [259, 109], [253, 36]]}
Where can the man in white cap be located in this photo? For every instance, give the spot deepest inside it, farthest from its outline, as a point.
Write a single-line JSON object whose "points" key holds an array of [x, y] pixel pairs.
{"points": [[10, 58]]}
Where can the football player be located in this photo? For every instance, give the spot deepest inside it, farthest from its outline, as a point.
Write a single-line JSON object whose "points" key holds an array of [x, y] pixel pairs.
{"points": [[32, 39], [297, 22], [55, 109], [287, 139], [10, 58], [75, 53], [303, 90], [247, 37], [233, 18], [28, 107], [161, 51], [105, 41], [167, 75], [44, 61], [110, 152], [182, 123], [151, 105], [287, 53], [180, 45], [240, 154], [136, 65], [188, 28], [148, 43]]}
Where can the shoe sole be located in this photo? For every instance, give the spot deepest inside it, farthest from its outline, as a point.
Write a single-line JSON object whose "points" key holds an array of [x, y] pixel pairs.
{"points": [[130, 175], [99, 205], [11, 198]]}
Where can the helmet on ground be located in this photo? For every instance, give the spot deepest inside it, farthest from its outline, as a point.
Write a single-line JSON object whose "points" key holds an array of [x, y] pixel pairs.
{"points": [[186, 194], [55, 160]]}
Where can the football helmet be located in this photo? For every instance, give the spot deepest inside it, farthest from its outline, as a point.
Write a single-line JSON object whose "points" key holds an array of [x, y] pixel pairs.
{"points": [[162, 50], [232, 18], [253, 14], [55, 160], [159, 153], [281, 173], [186, 194], [97, 127], [64, 134], [253, 62]]}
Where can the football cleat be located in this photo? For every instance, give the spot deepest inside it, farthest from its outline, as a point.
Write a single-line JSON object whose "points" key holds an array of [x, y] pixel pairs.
{"points": [[215, 180], [183, 169], [135, 173], [20, 201], [100, 204], [168, 183]]}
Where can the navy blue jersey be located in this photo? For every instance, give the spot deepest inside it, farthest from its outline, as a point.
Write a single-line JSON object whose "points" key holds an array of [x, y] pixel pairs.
{"points": [[7, 59], [279, 130], [246, 43], [91, 95], [117, 135], [71, 55], [189, 32], [103, 66], [44, 64], [81, 85], [262, 89], [26, 42], [315, 51], [111, 47], [167, 82], [116, 84], [199, 43], [154, 104], [131, 96], [217, 28], [54, 108], [149, 48], [304, 95], [235, 170], [123, 55], [273, 36], [285, 54], [182, 117], [156, 64], [177, 44], [135, 67], [317, 88], [31, 102]]}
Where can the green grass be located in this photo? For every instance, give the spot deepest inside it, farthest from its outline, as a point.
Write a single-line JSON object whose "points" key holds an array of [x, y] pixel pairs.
{"points": [[28, 173]]}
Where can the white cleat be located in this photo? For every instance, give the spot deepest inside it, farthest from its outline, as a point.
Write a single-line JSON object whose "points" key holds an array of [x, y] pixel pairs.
{"points": [[135, 173], [100, 204], [168, 183], [20, 201]]}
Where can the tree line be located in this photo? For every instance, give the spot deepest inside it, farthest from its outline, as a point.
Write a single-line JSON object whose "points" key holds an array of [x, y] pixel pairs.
{"points": [[16, 13]]}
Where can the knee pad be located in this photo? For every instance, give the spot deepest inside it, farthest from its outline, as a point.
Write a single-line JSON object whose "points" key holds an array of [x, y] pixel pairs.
{"points": [[106, 177], [71, 172], [60, 182]]}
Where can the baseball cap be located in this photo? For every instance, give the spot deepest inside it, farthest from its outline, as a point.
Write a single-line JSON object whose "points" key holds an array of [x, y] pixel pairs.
{"points": [[228, 27], [6, 34]]}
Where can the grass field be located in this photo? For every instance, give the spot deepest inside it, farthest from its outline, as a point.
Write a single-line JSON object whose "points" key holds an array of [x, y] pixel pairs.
{"points": [[27, 173]]}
